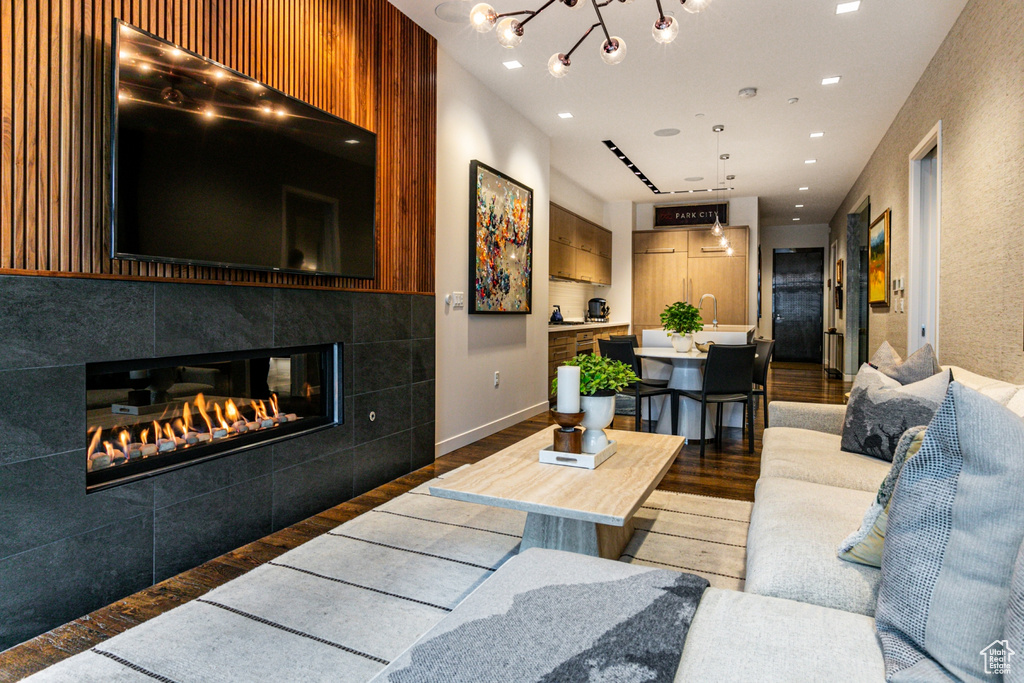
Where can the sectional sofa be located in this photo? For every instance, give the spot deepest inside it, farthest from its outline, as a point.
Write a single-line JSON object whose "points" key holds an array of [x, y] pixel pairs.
{"points": [[804, 615]]}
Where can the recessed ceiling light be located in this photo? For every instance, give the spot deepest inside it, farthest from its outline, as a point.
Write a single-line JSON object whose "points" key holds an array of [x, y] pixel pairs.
{"points": [[512, 64], [792, 100], [699, 116], [845, 7], [804, 189], [666, 132], [810, 161], [799, 206], [694, 179], [453, 11], [352, 142], [565, 115], [817, 135], [831, 80], [747, 93], [796, 219]]}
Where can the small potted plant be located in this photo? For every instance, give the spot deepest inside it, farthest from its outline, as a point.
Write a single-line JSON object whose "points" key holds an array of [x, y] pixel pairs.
{"points": [[600, 379], [681, 320]]}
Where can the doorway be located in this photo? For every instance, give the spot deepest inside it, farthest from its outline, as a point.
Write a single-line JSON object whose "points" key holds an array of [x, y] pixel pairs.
{"points": [[798, 288], [925, 209]]}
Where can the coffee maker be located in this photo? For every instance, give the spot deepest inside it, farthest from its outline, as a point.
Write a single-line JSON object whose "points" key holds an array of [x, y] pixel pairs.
{"points": [[597, 311]]}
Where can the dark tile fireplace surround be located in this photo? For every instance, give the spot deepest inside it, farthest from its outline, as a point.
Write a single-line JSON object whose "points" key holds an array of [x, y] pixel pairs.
{"points": [[64, 553]]}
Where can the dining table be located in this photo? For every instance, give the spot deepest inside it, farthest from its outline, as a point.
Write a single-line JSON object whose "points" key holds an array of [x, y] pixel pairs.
{"points": [[687, 374]]}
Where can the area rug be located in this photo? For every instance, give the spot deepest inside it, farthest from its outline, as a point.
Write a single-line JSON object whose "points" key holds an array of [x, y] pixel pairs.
{"points": [[344, 605]]}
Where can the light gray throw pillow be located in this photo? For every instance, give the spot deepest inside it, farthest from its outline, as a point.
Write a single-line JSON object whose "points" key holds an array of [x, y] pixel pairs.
{"points": [[956, 521], [880, 409], [1015, 623], [920, 365]]}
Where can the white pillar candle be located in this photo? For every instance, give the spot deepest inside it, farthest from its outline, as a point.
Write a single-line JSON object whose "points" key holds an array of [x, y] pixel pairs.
{"points": [[568, 389]]}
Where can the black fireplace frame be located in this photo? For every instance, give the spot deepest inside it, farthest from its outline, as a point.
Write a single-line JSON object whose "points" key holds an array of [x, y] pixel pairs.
{"points": [[332, 399]]}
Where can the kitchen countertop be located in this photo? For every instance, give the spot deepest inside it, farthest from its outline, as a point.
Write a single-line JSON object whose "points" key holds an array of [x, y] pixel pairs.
{"points": [[585, 326]]}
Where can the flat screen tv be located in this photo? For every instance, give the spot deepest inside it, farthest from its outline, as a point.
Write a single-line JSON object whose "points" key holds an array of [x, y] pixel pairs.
{"points": [[212, 168]]}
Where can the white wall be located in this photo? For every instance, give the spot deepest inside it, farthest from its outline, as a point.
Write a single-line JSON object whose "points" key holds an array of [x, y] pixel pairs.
{"points": [[742, 211], [571, 196], [473, 123], [790, 237]]}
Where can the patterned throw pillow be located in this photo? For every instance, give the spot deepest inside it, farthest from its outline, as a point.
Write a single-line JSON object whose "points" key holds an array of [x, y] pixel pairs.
{"points": [[955, 525], [880, 409], [920, 365], [864, 546]]}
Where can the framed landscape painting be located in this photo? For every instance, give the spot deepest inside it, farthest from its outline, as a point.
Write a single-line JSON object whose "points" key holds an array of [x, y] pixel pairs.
{"points": [[878, 261], [500, 243]]}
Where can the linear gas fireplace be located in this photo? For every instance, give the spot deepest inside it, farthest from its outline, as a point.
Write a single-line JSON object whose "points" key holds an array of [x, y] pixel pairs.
{"points": [[149, 416]]}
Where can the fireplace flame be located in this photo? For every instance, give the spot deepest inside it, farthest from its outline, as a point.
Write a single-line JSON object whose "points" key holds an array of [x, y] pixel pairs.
{"points": [[125, 440], [186, 413], [94, 444], [201, 407], [168, 432], [180, 426], [220, 416], [231, 411], [260, 410], [110, 449], [273, 404], [144, 436]]}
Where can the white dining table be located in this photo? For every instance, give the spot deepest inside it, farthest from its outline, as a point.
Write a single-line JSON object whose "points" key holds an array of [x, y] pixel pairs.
{"points": [[687, 375]]}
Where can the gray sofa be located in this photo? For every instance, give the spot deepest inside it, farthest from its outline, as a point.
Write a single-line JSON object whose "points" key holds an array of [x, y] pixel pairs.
{"points": [[805, 615]]}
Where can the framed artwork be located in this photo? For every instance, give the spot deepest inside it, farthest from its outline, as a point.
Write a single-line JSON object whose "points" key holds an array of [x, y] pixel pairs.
{"points": [[500, 242], [878, 260], [839, 272]]}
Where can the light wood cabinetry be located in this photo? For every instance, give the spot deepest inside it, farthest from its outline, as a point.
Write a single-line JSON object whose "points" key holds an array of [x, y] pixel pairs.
{"points": [[580, 250], [681, 265]]}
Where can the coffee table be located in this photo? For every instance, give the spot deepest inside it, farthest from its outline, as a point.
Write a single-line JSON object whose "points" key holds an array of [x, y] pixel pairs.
{"points": [[568, 508]]}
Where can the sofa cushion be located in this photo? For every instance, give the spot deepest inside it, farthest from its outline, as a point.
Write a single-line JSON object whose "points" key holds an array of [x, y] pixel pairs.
{"points": [[817, 457], [743, 637], [865, 544], [919, 365], [956, 522], [1014, 635], [881, 409], [791, 547]]}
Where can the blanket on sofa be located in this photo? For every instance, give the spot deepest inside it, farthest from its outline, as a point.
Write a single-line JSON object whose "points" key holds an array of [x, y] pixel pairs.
{"points": [[553, 616]]}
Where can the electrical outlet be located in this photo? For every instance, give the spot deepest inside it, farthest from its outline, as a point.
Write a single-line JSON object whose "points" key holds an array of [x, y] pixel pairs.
{"points": [[458, 299], [497, 378]]}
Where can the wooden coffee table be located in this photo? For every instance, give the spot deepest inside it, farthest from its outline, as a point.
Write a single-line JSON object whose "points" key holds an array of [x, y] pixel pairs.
{"points": [[568, 508]]}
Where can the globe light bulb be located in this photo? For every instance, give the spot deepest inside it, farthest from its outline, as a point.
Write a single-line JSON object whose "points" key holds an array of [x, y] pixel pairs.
{"points": [[695, 6], [722, 241], [665, 30], [730, 251], [716, 229], [510, 32], [558, 65], [613, 50], [574, 4], [483, 17]]}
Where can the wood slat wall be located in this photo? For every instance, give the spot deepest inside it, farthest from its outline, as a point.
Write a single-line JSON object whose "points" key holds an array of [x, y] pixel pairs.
{"points": [[361, 60]]}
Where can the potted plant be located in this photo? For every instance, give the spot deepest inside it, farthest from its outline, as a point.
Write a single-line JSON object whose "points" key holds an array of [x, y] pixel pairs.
{"points": [[681, 320], [600, 379]]}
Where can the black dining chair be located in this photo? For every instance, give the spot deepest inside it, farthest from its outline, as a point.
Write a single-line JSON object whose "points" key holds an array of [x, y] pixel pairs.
{"points": [[727, 373], [631, 338], [765, 349], [622, 351]]}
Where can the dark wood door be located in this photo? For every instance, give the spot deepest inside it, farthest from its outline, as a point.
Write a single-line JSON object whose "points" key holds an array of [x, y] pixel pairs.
{"points": [[797, 291]]}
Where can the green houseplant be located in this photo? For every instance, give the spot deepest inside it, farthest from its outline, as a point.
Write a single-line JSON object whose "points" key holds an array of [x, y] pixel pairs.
{"points": [[681, 320], [600, 378]]}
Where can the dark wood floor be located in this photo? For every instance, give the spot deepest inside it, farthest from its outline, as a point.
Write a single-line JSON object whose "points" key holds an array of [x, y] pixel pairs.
{"points": [[730, 473]]}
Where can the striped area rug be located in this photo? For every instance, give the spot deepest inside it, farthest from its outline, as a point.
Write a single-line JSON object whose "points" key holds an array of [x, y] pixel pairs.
{"points": [[344, 605]]}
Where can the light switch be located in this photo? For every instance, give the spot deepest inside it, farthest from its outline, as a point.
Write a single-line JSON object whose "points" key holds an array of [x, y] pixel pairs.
{"points": [[458, 299]]}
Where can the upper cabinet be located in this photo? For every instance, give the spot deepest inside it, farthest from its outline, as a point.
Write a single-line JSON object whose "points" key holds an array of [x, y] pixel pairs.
{"points": [[703, 244], [580, 250]]}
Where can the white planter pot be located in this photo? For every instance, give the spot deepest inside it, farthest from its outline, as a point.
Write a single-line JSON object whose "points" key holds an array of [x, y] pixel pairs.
{"points": [[598, 412], [682, 343]]}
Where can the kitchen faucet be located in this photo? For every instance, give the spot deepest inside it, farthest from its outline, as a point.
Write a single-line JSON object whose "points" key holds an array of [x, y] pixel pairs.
{"points": [[714, 321]]}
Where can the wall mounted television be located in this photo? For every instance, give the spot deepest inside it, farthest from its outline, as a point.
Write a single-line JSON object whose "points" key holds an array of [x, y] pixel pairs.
{"points": [[212, 168]]}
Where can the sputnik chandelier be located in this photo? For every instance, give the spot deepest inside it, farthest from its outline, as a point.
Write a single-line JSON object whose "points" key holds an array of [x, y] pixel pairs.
{"points": [[613, 50]]}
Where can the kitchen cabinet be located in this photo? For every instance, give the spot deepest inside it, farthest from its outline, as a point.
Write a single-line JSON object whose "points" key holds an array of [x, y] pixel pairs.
{"points": [[564, 344], [681, 265], [579, 250]]}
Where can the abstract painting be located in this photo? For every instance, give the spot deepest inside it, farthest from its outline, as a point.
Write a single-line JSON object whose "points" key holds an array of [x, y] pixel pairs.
{"points": [[878, 261], [501, 242]]}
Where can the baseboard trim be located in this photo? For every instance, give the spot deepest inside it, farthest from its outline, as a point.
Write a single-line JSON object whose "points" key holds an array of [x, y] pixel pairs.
{"points": [[464, 439]]}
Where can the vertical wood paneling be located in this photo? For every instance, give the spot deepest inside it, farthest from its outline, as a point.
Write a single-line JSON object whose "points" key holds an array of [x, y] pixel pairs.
{"points": [[361, 60]]}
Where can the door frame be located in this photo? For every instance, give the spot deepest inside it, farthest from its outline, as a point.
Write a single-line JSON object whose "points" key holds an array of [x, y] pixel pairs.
{"points": [[821, 299], [915, 272]]}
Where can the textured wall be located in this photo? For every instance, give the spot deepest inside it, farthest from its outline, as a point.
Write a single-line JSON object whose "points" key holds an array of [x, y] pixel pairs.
{"points": [[64, 553], [362, 60], [975, 85]]}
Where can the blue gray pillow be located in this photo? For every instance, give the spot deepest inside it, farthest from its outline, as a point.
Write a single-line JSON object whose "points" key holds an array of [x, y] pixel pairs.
{"points": [[956, 522], [880, 409]]}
